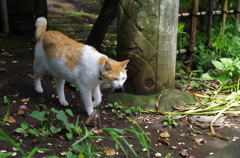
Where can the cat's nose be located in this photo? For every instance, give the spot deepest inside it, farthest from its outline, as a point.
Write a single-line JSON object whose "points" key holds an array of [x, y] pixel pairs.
{"points": [[120, 85]]}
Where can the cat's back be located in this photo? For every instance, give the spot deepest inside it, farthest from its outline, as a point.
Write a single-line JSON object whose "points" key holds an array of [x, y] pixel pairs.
{"points": [[57, 46]]}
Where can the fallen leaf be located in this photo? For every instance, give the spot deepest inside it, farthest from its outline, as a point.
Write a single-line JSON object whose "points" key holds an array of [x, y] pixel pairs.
{"points": [[15, 95], [25, 99], [31, 76], [165, 134], [164, 141], [23, 107], [2, 62], [109, 151], [14, 61], [183, 153], [2, 69], [10, 119], [42, 107], [20, 112], [104, 113], [96, 131], [6, 54], [199, 140]]}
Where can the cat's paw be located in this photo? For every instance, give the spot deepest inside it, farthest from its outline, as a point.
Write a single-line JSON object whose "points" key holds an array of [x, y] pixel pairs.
{"points": [[39, 89], [64, 103]]}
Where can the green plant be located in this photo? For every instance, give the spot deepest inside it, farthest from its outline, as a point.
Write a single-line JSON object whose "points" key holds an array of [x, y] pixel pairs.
{"points": [[74, 86], [194, 131], [228, 73], [56, 121], [25, 130], [122, 112], [53, 83], [6, 100], [169, 155], [170, 121], [86, 145], [111, 47], [41, 100], [5, 137]]}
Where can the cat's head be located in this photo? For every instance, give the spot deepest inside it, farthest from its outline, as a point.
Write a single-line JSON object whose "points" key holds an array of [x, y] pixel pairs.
{"points": [[114, 73]]}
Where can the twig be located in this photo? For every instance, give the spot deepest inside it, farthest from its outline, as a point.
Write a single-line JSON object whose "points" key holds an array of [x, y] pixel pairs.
{"points": [[91, 117], [160, 95], [217, 116]]}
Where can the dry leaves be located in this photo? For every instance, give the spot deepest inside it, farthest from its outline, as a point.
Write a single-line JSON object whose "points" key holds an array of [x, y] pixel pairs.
{"points": [[110, 151], [165, 134], [164, 141], [10, 119], [25, 99], [6, 54], [183, 153], [21, 109]]}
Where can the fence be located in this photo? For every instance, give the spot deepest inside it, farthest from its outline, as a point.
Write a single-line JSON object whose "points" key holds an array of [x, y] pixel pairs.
{"points": [[194, 14]]}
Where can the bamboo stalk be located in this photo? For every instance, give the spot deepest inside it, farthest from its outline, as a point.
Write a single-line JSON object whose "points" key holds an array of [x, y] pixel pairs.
{"points": [[224, 15], [216, 12], [237, 18], [193, 31], [210, 20]]}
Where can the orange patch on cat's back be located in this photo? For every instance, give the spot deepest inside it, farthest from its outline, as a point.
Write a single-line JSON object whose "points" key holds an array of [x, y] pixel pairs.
{"points": [[57, 46]]}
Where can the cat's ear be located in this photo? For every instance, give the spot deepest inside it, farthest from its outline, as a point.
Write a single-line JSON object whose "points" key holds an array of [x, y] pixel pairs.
{"points": [[108, 66], [124, 63]]}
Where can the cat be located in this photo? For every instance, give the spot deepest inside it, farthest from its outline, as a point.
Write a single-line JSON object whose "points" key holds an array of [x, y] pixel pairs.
{"points": [[77, 63]]}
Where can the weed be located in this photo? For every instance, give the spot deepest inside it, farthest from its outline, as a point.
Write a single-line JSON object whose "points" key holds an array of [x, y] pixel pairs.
{"points": [[56, 121], [25, 130], [41, 100], [53, 83], [169, 155], [74, 86], [228, 73], [6, 100], [5, 137], [194, 131], [122, 112], [86, 145], [170, 121]]}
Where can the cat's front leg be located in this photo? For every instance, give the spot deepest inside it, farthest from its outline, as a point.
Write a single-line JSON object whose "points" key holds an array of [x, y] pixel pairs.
{"points": [[86, 95], [60, 91], [97, 96]]}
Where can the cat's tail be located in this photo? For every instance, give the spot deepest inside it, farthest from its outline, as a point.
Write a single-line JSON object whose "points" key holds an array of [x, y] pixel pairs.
{"points": [[41, 26]]}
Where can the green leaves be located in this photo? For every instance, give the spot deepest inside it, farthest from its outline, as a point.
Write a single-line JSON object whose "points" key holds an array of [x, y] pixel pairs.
{"points": [[229, 71], [218, 65], [224, 78], [38, 115]]}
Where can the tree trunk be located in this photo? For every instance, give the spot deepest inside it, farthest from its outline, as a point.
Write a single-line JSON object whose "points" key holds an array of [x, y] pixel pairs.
{"points": [[147, 35], [107, 14]]}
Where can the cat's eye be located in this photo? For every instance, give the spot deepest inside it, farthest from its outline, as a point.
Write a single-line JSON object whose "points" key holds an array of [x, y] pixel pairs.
{"points": [[123, 78], [115, 79]]}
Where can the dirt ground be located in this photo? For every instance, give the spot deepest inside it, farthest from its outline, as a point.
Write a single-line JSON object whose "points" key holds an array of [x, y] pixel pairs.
{"points": [[16, 73]]}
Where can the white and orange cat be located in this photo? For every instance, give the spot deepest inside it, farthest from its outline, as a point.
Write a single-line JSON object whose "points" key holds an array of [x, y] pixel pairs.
{"points": [[76, 63]]}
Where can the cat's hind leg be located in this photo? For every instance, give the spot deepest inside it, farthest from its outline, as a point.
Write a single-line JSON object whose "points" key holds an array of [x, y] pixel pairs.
{"points": [[60, 91], [39, 71]]}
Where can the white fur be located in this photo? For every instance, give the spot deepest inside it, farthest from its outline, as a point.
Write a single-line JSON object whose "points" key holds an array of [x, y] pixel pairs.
{"points": [[85, 76]]}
